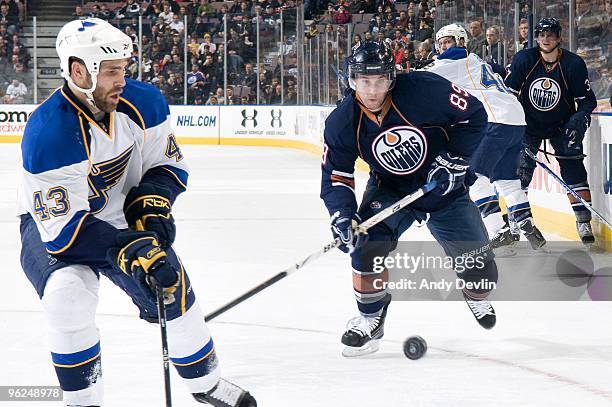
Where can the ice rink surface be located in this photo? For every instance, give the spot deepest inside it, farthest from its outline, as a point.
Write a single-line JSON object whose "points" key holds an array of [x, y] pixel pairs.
{"points": [[248, 214]]}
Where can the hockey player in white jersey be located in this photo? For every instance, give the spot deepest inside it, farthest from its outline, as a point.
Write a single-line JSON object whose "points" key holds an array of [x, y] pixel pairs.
{"points": [[495, 161], [101, 170]]}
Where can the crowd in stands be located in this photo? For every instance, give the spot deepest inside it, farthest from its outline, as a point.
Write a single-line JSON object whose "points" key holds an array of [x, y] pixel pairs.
{"points": [[184, 42], [166, 64], [14, 58]]}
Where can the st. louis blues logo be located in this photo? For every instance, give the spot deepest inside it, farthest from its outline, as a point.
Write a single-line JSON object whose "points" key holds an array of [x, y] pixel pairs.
{"points": [[544, 94], [246, 118], [400, 150], [105, 175]]}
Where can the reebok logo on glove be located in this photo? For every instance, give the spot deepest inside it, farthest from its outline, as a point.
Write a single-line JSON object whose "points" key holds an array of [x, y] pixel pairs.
{"points": [[155, 202]]}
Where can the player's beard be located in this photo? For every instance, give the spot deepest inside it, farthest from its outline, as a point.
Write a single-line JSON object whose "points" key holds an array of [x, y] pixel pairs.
{"points": [[104, 100]]}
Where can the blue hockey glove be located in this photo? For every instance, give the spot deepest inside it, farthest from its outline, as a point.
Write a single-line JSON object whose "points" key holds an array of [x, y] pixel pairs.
{"points": [[138, 254], [342, 226], [575, 129], [148, 207], [448, 171]]}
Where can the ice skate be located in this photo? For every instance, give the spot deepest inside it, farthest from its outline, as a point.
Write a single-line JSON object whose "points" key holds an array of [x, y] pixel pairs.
{"points": [[533, 234], [515, 231], [483, 311], [502, 243], [586, 233], [363, 333], [226, 394]]}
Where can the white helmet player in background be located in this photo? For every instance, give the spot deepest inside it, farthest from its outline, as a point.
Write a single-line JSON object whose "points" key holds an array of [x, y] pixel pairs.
{"points": [[455, 31], [91, 41]]}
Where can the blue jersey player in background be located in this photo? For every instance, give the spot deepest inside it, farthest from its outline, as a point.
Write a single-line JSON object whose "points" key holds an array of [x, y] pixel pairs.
{"points": [[410, 129], [101, 171], [552, 85]]}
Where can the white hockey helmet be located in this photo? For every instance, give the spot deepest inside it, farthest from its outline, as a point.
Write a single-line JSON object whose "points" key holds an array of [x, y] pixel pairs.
{"points": [[452, 30], [92, 40]]}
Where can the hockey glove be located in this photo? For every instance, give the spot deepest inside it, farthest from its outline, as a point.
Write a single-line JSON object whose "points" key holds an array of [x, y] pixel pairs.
{"points": [[138, 254], [449, 171], [148, 207], [343, 227], [574, 130]]}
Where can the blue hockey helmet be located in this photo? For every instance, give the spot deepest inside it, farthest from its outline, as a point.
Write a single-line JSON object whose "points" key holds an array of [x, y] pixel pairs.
{"points": [[548, 24], [371, 58]]}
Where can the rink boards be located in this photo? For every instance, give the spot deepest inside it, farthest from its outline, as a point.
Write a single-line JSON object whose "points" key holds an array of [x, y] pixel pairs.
{"points": [[302, 127]]}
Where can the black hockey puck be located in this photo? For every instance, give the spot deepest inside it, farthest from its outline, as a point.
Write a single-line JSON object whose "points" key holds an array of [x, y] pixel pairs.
{"points": [[415, 347]]}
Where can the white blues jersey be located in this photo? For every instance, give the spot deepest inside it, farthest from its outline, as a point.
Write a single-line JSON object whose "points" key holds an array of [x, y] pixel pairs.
{"points": [[477, 77], [77, 171]]}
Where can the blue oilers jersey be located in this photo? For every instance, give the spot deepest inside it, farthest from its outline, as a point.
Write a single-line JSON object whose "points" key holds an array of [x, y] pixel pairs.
{"points": [[422, 116], [550, 94], [77, 171]]}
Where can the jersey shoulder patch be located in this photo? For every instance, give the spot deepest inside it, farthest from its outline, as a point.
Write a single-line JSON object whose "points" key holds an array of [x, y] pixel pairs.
{"points": [[143, 102], [52, 137]]}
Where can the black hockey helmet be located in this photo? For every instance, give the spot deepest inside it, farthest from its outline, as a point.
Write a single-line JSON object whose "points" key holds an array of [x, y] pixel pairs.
{"points": [[548, 24], [371, 58]]}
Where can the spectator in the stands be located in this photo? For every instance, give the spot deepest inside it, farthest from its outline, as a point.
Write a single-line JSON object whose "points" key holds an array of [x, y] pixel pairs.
{"points": [[376, 25], [423, 55], [477, 39], [523, 34], [212, 47], [412, 19], [249, 77], [402, 21], [424, 32], [100, 11], [219, 96], [174, 88], [206, 9], [277, 94], [152, 73], [16, 92], [410, 33], [342, 16], [196, 82], [129, 10], [177, 24], [495, 49], [77, 15], [406, 60], [192, 10], [176, 65], [212, 100], [166, 13], [231, 98]]}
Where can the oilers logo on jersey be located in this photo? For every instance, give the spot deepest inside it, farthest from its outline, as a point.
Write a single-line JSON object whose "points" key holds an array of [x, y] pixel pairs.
{"points": [[544, 94], [400, 150]]}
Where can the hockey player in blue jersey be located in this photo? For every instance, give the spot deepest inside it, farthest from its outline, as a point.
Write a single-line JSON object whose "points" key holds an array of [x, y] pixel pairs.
{"points": [[496, 159], [101, 171], [410, 129], [553, 86]]}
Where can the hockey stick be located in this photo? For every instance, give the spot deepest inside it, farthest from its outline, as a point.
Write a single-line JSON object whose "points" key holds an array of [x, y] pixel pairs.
{"points": [[568, 188], [562, 157], [362, 228], [161, 311]]}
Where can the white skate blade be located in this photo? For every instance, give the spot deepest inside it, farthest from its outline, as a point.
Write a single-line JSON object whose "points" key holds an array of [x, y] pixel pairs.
{"points": [[352, 352]]}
